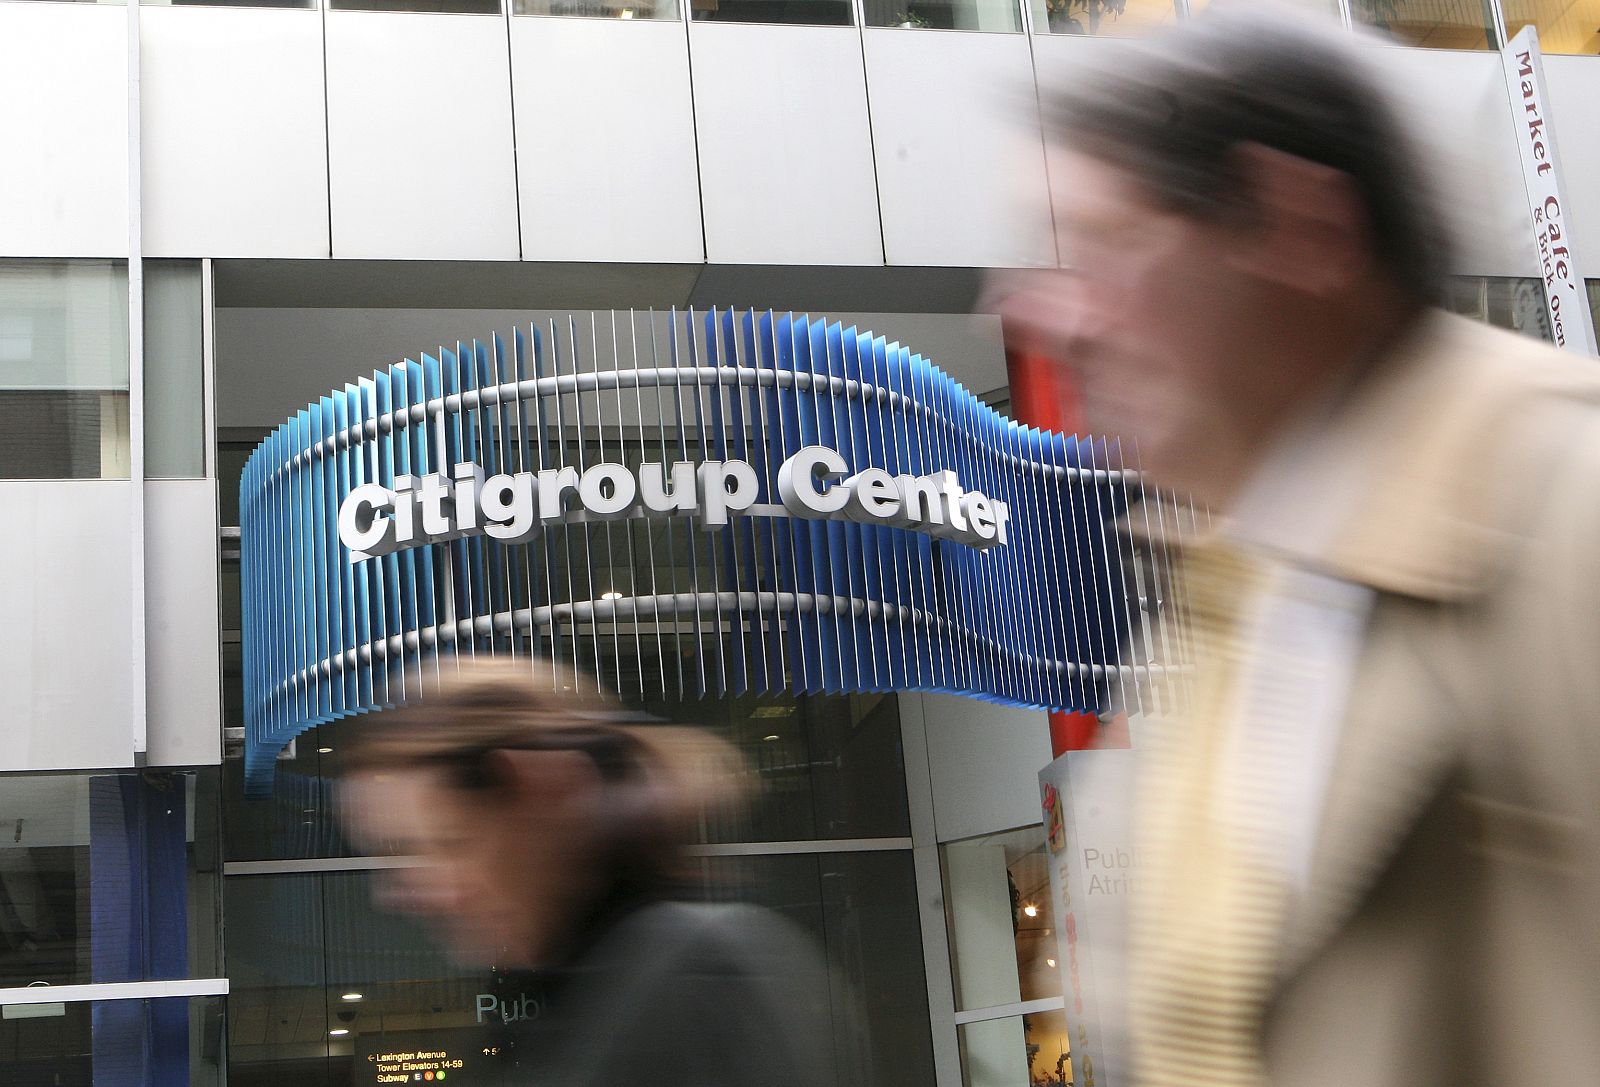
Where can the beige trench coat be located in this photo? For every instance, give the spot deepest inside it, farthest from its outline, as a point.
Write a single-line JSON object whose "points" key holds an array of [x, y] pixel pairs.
{"points": [[1450, 933]]}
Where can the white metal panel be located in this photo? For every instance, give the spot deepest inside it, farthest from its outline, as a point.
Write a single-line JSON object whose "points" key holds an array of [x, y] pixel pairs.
{"points": [[930, 892], [1457, 107], [605, 140], [961, 172], [113, 990], [1574, 86], [786, 168], [181, 623], [984, 942], [419, 136], [1057, 58], [65, 698], [984, 760], [63, 130], [234, 133]]}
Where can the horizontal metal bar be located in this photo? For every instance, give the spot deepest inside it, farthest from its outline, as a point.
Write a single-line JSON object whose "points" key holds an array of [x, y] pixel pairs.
{"points": [[1006, 1011], [114, 990], [638, 609], [319, 864], [732, 849], [832, 845]]}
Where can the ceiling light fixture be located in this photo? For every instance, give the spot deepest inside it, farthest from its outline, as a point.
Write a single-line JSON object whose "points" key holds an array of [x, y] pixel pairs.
{"points": [[1050, 963], [351, 997], [772, 736], [338, 1032], [613, 594], [1031, 910], [324, 750]]}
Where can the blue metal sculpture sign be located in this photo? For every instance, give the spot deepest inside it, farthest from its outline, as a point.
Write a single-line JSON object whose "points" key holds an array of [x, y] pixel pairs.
{"points": [[728, 503]]}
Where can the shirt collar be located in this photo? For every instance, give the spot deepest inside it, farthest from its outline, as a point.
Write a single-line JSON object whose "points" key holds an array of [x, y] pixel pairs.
{"points": [[1413, 480]]}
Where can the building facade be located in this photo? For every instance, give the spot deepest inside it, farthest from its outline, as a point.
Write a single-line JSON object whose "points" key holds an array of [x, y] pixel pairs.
{"points": [[212, 215]]}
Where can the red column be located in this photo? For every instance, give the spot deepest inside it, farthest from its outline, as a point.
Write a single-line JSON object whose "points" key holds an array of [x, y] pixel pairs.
{"points": [[1042, 396]]}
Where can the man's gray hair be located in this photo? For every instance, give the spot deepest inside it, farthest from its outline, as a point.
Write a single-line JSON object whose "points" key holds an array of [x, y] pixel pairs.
{"points": [[1172, 110]]}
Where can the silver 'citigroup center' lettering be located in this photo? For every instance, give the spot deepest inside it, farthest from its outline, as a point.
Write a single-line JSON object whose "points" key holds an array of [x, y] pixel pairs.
{"points": [[513, 508]]}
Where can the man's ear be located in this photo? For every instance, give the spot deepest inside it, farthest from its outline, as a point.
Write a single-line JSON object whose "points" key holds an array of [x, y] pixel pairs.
{"points": [[547, 780], [1311, 231]]}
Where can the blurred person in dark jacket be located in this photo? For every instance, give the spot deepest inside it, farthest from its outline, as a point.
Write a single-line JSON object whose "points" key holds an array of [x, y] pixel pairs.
{"points": [[550, 828], [1370, 847]]}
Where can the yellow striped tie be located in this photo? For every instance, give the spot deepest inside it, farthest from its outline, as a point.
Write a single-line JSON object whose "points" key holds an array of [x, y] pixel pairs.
{"points": [[1207, 920]]}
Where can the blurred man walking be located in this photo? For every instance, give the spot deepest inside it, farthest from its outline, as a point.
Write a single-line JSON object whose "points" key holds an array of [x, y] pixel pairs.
{"points": [[1371, 845]]}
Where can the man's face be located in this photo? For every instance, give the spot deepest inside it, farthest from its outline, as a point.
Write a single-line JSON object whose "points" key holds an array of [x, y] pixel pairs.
{"points": [[497, 877], [1150, 314]]}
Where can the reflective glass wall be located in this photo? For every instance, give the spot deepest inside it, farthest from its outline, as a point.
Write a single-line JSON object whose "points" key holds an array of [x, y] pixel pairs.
{"points": [[1503, 301], [109, 878], [323, 979], [1008, 992], [1435, 24], [1563, 27], [1102, 18], [93, 1043], [63, 369]]}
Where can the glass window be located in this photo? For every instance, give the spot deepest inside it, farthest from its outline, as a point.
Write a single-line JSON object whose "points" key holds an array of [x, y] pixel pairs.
{"points": [[826, 767], [1565, 26], [814, 12], [316, 974], [1000, 913], [225, 3], [1019, 1049], [1330, 8], [991, 15], [1502, 301], [63, 369], [862, 909], [174, 371], [321, 979], [599, 9], [445, 7], [1593, 286], [158, 1040], [1435, 24], [210, 3], [107, 877], [1102, 18]]}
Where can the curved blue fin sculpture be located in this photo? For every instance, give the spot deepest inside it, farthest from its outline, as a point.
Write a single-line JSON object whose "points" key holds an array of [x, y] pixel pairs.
{"points": [[668, 601]]}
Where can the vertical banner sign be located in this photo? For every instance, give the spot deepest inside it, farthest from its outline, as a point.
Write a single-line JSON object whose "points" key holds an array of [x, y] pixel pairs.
{"points": [[1565, 298], [1093, 871]]}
